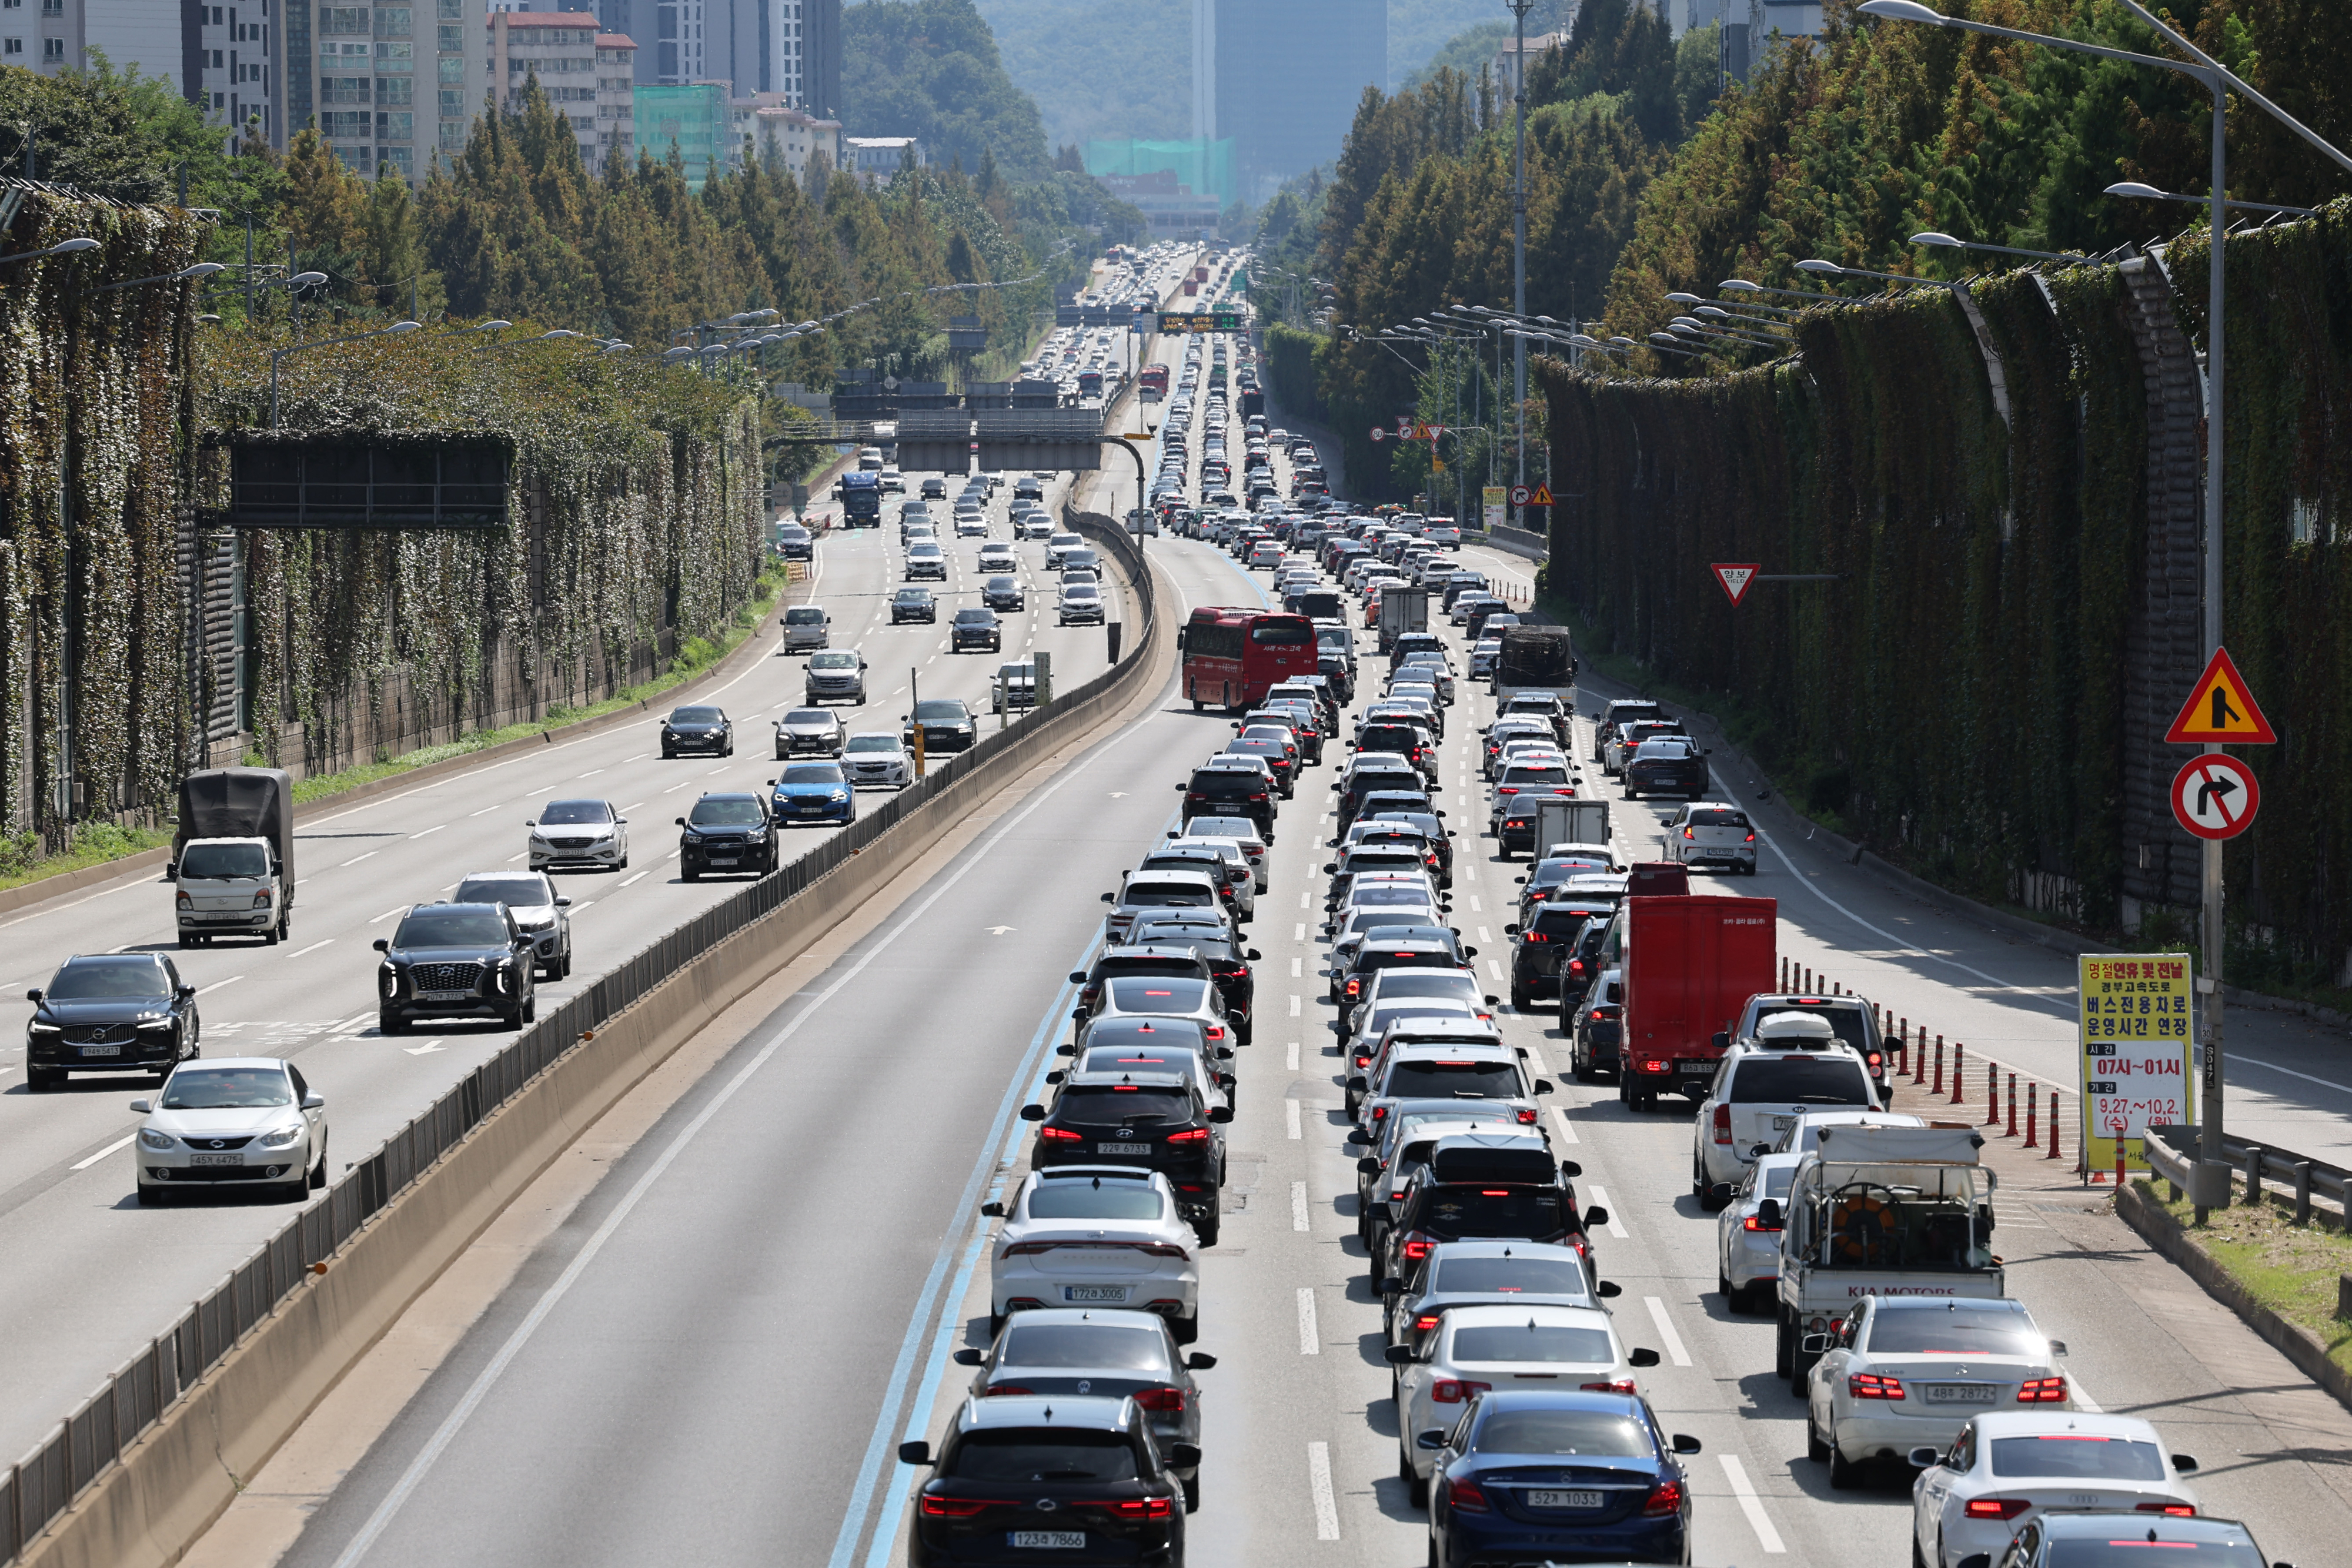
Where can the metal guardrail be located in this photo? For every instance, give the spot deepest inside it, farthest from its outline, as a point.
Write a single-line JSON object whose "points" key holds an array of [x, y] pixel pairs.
{"points": [[47, 1480], [2174, 1154]]}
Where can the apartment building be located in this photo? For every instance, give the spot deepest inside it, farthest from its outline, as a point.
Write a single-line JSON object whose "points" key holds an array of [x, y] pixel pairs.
{"points": [[224, 58], [789, 136], [587, 75], [390, 83], [790, 47]]}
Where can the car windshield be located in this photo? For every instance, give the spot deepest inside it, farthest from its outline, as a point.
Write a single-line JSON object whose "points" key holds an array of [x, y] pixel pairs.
{"points": [[872, 743], [695, 715], [207, 861], [1801, 1081], [459, 927], [1595, 1434], [568, 813], [833, 662], [724, 813], [1093, 1198], [914, 596], [226, 1089], [1531, 1340], [805, 616], [1110, 1105], [87, 980], [1954, 1330], [1158, 994], [999, 584], [514, 892], [941, 710], [975, 617], [812, 773], [1064, 1456]]}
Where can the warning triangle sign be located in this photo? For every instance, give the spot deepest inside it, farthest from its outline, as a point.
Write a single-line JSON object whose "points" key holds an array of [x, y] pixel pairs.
{"points": [[2220, 708], [1735, 579], [1542, 496]]}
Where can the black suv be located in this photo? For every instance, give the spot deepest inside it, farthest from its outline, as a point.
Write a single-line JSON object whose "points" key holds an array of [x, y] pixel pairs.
{"points": [[1003, 593], [1541, 949], [698, 729], [1361, 782], [913, 605], [1230, 792], [1478, 1187], [947, 725], [1201, 932], [726, 833], [1679, 769], [456, 961], [109, 1012], [1155, 1120], [975, 628]]}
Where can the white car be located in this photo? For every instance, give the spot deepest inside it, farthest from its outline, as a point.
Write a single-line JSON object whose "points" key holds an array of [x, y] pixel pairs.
{"points": [[876, 759], [972, 524], [1899, 1372], [231, 1124], [579, 833], [1748, 1235], [1093, 1236], [1037, 526], [1239, 831], [1128, 996], [1079, 601], [1710, 834], [1972, 1497], [1240, 874], [1477, 1349], [1059, 545], [1795, 1064], [998, 556], [893, 482]]}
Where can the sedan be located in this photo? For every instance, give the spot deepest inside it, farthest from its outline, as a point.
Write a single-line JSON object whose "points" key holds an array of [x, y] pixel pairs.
{"points": [[588, 833], [875, 758], [1747, 1234], [816, 793], [944, 724], [705, 729], [976, 628], [970, 522], [1457, 1274], [538, 911], [1080, 602], [109, 1012], [244, 1123], [913, 605], [2005, 1464], [1079, 1235], [1158, 997], [1002, 592], [810, 732], [998, 556], [1537, 1474], [935, 488], [1900, 1373]]}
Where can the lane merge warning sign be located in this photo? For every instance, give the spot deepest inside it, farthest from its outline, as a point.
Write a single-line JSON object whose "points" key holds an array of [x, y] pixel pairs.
{"points": [[2221, 710]]}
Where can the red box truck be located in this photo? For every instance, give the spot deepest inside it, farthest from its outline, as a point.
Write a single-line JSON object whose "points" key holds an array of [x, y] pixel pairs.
{"points": [[1689, 964]]}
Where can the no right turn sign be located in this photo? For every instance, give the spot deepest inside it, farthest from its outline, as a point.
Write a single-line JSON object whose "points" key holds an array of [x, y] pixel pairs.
{"points": [[2216, 796]]}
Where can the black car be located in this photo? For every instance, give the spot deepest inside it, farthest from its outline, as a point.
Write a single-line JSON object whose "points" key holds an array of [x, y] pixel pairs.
{"points": [[1541, 949], [946, 723], [703, 729], [913, 605], [109, 1012], [726, 833], [1595, 1029], [1003, 593], [1363, 783], [1668, 765], [1432, 831], [456, 961], [976, 628], [1404, 953], [1059, 1477], [1230, 792], [1470, 1192], [795, 542], [1155, 1120], [1229, 962]]}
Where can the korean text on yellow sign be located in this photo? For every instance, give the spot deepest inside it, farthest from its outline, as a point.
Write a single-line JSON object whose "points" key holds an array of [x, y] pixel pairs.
{"points": [[2137, 1024]]}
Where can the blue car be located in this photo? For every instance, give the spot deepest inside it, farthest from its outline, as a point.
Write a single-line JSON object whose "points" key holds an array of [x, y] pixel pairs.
{"points": [[816, 792], [1529, 1478]]}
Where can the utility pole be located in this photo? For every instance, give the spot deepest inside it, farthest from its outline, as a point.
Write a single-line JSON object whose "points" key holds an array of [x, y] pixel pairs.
{"points": [[1519, 9]]}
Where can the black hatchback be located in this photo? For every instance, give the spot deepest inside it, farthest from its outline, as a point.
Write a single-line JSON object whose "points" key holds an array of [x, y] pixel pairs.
{"points": [[726, 834], [1540, 950], [1155, 1120], [109, 1012]]}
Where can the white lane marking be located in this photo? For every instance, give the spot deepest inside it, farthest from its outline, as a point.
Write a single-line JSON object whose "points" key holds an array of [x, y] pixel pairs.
{"points": [[388, 913], [675, 788], [1494, 968], [356, 859], [1566, 1127], [2082, 1400], [1751, 1505], [484, 811], [1290, 1055], [1290, 1126], [639, 877], [216, 985], [582, 904], [635, 804], [1482, 934], [1675, 1351], [313, 947], [121, 1143], [1476, 907], [1294, 1007], [1302, 898], [589, 774], [1299, 1206], [428, 832], [1601, 1197], [1309, 1338], [1294, 969], [1299, 934], [1318, 1482], [516, 856]]}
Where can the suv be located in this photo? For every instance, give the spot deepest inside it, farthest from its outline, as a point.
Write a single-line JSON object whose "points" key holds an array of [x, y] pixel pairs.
{"points": [[975, 628], [1118, 1485], [1597, 1025], [456, 961], [1794, 1063], [1541, 948], [1231, 792], [1624, 710], [1479, 1186], [1155, 1120], [727, 834], [835, 676], [109, 1012], [1671, 764], [537, 908], [946, 723], [1854, 1019]]}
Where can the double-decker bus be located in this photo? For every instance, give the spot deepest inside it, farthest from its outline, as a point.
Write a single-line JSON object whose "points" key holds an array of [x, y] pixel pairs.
{"points": [[1232, 656], [1153, 382]]}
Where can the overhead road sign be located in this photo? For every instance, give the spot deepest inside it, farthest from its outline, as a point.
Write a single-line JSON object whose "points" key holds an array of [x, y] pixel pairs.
{"points": [[2221, 710], [1202, 321], [1735, 577], [2216, 796]]}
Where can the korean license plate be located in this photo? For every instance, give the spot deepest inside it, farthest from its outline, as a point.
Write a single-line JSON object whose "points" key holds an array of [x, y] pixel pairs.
{"points": [[1122, 1148], [1094, 1293], [724, 860], [1049, 1540], [1782, 1123], [442, 996], [1959, 1393], [101, 1050], [216, 1159], [1563, 1500]]}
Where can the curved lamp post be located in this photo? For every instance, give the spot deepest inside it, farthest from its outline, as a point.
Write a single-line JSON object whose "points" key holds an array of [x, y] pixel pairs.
{"points": [[276, 355]]}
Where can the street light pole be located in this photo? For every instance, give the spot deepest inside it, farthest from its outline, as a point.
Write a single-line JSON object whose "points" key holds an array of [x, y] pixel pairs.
{"points": [[278, 354], [1519, 9]]}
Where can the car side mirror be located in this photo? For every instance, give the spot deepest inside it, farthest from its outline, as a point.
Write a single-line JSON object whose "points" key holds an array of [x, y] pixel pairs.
{"points": [[1979, 1560], [1056, 1076], [1077, 977], [1641, 1358], [1596, 1215], [1570, 1168], [183, 992], [914, 1453], [1511, 931], [1543, 1086], [1761, 1149], [380, 944], [314, 1102], [1107, 898], [2057, 1347], [2183, 1463], [1367, 1166], [1608, 1290], [1432, 1439], [171, 870], [1768, 1214], [1814, 1344], [1925, 1459], [1069, 1049], [1180, 789], [1253, 954], [1720, 1194], [992, 1208], [1684, 1443], [1330, 868], [142, 1108], [1032, 1113], [1357, 1137], [1521, 881], [681, 822], [1220, 1113], [1360, 1083], [1400, 1355], [970, 1355], [1183, 1456]]}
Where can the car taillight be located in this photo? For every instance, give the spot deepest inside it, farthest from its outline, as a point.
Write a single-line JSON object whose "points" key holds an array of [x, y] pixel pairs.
{"points": [[1216, 1031], [1137, 1508], [1875, 1061], [1689, 834], [1426, 1321], [1362, 1060], [2041, 1391], [1416, 1248], [1751, 838], [1527, 1116], [1665, 1498], [1454, 1391], [1167, 1400], [1752, 1223], [1871, 1385], [1610, 1385], [2177, 1509], [1657, 1067], [1353, 987], [1597, 1016], [1576, 966], [935, 1507], [1060, 1135], [1997, 1507], [1722, 1124], [1537, 936], [1465, 1495], [1190, 1136], [1380, 1113]]}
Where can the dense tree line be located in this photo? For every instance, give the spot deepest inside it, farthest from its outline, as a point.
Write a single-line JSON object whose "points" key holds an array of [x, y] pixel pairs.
{"points": [[930, 69]]}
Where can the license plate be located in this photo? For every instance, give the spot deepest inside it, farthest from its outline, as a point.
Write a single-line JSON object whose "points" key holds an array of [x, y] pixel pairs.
{"points": [[1094, 1293], [1960, 1392], [1563, 1500], [216, 1159], [101, 1050], [1049, 1540], [1122, 1148], [442, 996], [1782, 1123], [814, 811], [724, 860]]}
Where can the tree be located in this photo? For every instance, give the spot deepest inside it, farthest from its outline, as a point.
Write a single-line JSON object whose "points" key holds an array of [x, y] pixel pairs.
{"points": [[929, 70]]}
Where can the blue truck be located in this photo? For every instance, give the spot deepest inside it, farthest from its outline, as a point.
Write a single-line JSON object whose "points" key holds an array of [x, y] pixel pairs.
{"points": [[861, 499]]}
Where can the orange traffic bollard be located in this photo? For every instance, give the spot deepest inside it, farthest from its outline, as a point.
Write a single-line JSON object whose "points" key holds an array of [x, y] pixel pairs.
{"points": [[2053, 1126], [2012, 1131], [1958, 1052], [1993, 1093]]}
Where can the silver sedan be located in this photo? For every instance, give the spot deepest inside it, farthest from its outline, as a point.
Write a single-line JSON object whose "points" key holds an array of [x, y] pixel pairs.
{"points": [[236, 1124]]}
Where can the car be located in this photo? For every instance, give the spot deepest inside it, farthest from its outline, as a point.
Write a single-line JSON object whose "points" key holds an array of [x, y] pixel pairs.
{"points": [[704, 729], [1126, 997], [1080, 604], [838, 676], [1029, 488], [1080, 1476], [1593, 1021], [1854, 1019], [1154, 1120], [2009, 1466], [1476, 1273], [998, 556], [944, 725], [1093, 1236], [893, 483], [1222, 791], [1037, 526], [726, 833], [1240, 831], [1265, 553], [913, 605], [925, 558], [1402, 1147], [806, 627], [795, 542], [809, 732], [590, 835], [1196, 888], [1530, 1474], [1156, 1044], [1670, 765], [934, 488], [235, 1123], [1898, 1373], [1498, 1184], [1060, 545], [1430, 976], [1539, 949], [1483, 655], [1794, 1064], [2103, 1536], [109, 1012], [538, 910], [1208, 935], [970, 522], [1499, 1348], [456, 961], [816, 793], [976, 627], [1747, 1234], [1002, 592], [876, 758]]}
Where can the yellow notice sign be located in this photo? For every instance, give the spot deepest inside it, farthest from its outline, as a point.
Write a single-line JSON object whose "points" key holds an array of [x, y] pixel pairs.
{"points": [[2136, 1023]]}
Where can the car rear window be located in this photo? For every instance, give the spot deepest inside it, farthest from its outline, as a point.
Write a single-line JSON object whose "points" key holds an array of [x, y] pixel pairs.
{"points": [[1109, 1345], [1093, 1198], [1158, 994], [514, 892], [2077, 1456], [1595, 1434], [1165, 895], [1532, 1341], [1801, 1081], [1153, 965], [1559, 920], [1953, 1330], [1374, 957], [1106, 1106], [1028, 1455], [1718, 818], [1413, 980], [1510, 1276], [1471, 1080], [1465, 1213]]}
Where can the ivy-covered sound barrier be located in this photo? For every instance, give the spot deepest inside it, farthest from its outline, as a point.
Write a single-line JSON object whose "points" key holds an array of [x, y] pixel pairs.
{"points": [[1981, 693]]}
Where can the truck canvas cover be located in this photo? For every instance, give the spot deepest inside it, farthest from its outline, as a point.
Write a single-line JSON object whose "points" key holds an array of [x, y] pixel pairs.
{"points": [[1868, 1145], [238, 803], [1535, 656]]}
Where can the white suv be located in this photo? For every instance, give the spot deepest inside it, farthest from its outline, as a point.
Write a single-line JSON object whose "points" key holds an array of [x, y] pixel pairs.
{"points": [[1795, 1063]]}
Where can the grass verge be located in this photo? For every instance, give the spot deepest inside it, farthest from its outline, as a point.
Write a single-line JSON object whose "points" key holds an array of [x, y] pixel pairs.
{"points": [[2291, 1269], [94, 844]]}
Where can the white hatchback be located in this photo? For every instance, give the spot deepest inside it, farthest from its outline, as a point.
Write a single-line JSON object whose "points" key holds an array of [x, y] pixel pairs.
{"points": [[1094, 1236]]}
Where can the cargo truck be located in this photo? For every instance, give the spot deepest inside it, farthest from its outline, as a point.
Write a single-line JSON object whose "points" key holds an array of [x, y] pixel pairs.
{"points": [[1535, 659], [1690, 964], [1403, 609], [861, 499], [233, 857]]}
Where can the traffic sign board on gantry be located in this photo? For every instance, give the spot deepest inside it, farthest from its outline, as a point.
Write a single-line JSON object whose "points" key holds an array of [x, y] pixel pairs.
{"points": [[2221, 710], [1735, 577], [2216, 796]]}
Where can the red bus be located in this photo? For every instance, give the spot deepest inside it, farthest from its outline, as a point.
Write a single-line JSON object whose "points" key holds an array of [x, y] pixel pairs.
{"points": [[1153, 381], [1232, 656]]}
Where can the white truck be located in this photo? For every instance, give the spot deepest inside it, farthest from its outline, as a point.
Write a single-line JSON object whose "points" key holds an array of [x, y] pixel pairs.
{"points": [[233, 858], [1880, 1212], [1559, 823], [1404, 607]]}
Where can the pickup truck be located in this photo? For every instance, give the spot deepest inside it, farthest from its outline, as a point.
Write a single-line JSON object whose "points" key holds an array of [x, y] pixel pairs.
{"points": [[1880, 1212]]}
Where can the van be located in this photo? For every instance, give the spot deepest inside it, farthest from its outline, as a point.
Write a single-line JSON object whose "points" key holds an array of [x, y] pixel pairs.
{"points": [[807, 628]]}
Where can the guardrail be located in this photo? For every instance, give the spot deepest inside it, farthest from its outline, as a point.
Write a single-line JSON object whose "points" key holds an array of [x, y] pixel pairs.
{"points": [[61, 1466], [2175, 1152]]}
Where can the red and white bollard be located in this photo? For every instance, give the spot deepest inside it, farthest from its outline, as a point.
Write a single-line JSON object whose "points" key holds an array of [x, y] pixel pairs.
{"points": [[2033, 1104], [1958, 1051]]}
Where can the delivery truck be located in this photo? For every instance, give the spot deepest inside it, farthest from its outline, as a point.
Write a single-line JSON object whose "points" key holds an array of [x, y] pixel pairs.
{"points": [[1690, 964], [1565, 824], [1535, 659], [1403, 609], [233, 857]]}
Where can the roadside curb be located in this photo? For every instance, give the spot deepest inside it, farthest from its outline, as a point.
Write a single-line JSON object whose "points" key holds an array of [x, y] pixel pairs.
{"points": [[2294, 1341]]}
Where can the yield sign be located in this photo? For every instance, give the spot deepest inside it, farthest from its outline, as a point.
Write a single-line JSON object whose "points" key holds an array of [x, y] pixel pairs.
{"points": [[1735, 579], [2220, 708], [2215, 797], [1542, 497]]}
